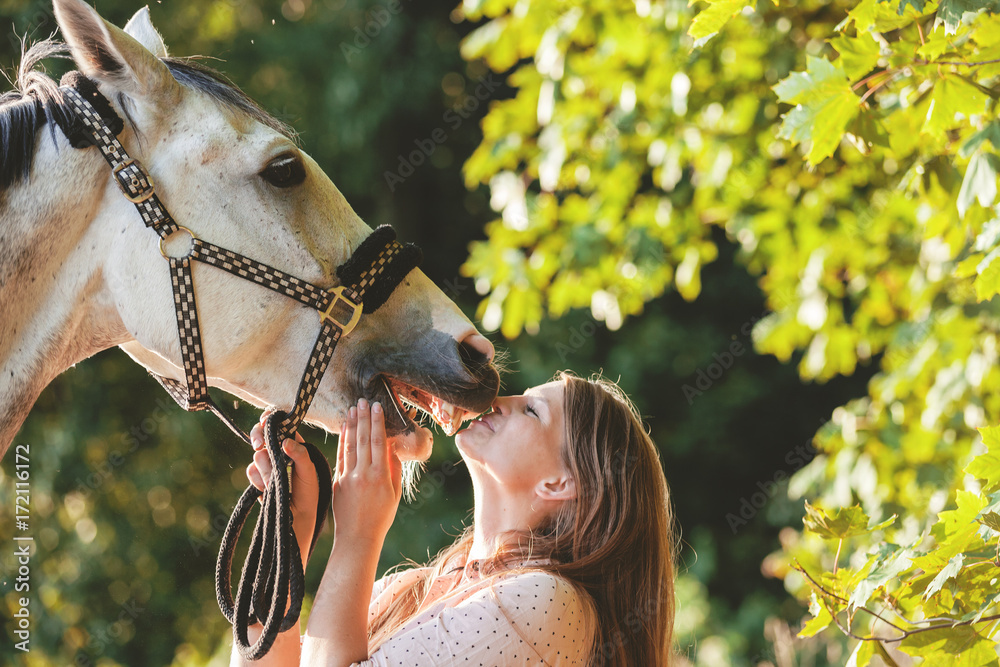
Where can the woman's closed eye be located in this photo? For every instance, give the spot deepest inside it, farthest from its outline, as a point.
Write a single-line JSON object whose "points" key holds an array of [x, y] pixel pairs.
{"points": [[530, 410]]}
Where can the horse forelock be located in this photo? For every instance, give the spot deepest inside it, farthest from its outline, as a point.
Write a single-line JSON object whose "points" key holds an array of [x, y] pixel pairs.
{"points": [[35, 100]]}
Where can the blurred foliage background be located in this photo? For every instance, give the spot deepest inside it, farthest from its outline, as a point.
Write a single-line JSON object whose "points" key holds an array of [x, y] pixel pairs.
{"points": [[611, 193]]}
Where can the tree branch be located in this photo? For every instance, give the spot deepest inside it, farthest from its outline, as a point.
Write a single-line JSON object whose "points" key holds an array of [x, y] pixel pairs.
{"points": [[947, 623], [955, 62]]}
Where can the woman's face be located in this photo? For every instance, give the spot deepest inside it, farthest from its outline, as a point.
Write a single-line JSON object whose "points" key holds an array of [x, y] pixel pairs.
{"points": [[519, 444]]}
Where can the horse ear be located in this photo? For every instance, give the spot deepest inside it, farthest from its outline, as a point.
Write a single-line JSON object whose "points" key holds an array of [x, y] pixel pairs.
{"points": [[141, 28], [109, 55]]}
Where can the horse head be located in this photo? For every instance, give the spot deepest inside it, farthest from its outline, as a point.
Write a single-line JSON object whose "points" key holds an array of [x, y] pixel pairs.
{"points": [[236, 177]]}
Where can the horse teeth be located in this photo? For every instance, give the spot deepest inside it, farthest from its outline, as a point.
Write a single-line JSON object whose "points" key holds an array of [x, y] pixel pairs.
{"points": [[448, 415]]}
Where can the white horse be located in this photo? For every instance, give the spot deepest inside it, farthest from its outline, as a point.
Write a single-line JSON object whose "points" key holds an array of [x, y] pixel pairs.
{"points": [[80, 273]]}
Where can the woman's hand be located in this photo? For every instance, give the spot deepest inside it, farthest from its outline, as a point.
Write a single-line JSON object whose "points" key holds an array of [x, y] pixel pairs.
{"points": [[304, 484], [368, 482]]}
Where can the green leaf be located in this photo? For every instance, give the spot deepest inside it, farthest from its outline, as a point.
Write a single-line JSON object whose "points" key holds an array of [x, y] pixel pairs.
{"points": [[889, 562], [710, 20], [980, 182], [967, 267], [858, 55], [688, 275], [960, 646], [952, 101], [987, 466], [820, 620], [866, 131], [988, 236], [846, 522], [820, 78], [862, 655], [936, 44], [954, 523], [990, 515], [825, 105], [918, 6], [987, 283], [951, 12], [991, 437], [990, 133], [879, 15], [950, 571]]}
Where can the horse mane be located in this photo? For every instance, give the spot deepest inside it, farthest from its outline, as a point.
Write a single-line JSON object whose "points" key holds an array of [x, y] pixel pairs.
{"points": [[36, 100], [192, 74]]}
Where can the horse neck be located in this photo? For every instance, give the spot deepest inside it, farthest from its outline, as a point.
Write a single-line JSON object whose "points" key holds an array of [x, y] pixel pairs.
{"points": [[55, 308]]}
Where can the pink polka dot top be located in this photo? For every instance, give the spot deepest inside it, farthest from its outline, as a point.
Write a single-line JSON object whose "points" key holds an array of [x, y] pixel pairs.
{"points": [[527, 618]]}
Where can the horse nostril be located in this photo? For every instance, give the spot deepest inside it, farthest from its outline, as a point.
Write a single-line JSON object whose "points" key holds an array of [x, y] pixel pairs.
{"points": [[477, 346]]}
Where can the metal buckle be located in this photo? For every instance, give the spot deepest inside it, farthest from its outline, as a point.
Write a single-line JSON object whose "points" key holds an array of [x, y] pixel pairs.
{"points": [[338, 297], [142, 196]]}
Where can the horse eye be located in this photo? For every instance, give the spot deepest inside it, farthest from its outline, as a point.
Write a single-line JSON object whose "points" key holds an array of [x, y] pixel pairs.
{"points": [[284, 171]]}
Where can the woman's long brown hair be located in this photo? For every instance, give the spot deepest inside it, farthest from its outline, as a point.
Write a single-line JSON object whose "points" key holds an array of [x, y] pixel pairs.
{"points": [[615, 542]]}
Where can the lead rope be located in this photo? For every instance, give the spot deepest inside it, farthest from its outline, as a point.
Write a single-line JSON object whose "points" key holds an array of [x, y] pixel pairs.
{"points": [[272, 593]]}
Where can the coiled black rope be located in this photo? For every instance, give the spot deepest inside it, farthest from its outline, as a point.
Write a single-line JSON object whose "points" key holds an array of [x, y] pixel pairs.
{"points": [[272, 593]]}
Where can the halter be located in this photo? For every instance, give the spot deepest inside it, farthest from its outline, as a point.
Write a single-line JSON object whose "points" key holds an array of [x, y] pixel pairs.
{"points": [[366, 280]]}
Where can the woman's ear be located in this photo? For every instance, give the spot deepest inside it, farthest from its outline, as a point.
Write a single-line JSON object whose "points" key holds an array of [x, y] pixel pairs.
{"points": [[562, 487]]}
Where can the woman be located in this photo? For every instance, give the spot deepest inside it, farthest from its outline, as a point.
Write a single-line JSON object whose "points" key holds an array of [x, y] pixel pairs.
{"points": [[569, 560]]}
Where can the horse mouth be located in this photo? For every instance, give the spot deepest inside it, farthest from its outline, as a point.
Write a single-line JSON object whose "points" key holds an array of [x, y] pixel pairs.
{"points": [[412, 405]]}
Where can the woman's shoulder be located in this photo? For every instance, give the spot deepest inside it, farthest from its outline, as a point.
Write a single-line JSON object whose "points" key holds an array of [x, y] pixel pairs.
{"points": [[539, 577], [547, 611], [543, 597], [540, 585], [398, 580]]}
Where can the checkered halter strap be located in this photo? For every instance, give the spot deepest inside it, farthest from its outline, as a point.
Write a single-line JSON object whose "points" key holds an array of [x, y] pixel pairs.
{"points": [[366, 280]]}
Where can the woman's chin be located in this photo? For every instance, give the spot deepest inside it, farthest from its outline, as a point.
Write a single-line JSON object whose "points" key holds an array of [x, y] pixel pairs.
{"points": [[413, 446], [465, 445]]}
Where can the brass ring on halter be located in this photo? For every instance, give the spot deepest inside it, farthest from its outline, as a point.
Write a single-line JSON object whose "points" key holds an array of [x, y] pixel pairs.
{"points": [[180, 228]]}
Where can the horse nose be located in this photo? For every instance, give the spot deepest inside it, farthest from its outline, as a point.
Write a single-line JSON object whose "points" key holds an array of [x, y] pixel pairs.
{"points": [[479, 346]]}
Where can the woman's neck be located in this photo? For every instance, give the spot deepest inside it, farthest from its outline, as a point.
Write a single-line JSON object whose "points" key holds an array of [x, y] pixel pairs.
{"points": [[497, 519]]}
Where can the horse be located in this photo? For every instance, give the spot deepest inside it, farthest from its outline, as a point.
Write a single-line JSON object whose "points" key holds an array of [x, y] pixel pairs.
{"points": [[80, 273]]}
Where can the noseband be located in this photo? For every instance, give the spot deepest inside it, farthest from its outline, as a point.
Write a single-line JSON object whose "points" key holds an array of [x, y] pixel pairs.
{"points": [[367, 279]]}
